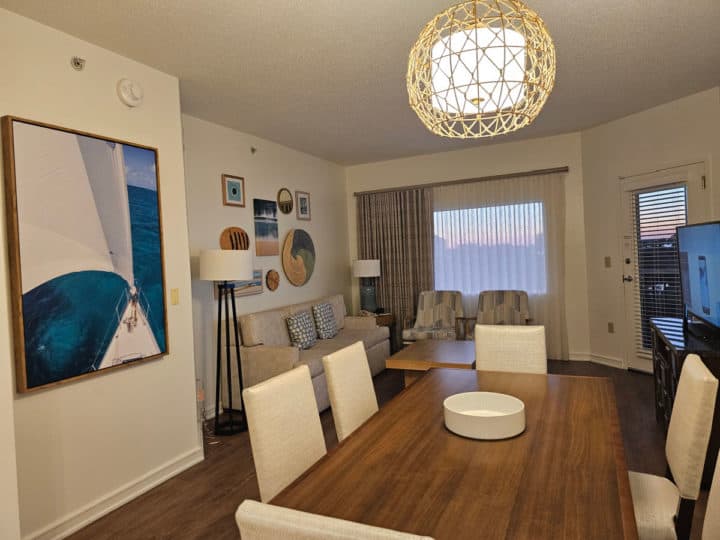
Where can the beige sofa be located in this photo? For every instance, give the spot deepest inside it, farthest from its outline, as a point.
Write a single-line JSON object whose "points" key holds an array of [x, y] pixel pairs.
{"points": [[267, 350]]}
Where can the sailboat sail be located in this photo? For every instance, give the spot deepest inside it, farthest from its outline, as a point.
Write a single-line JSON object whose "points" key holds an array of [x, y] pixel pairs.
{"points": [[105, 169], [74, 212], [60, 224]]}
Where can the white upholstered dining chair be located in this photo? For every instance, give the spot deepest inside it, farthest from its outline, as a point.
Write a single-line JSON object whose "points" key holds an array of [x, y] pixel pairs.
{"points": [[519, 349], [285, 432], [352, 395], [258, 521], [663, 509]]}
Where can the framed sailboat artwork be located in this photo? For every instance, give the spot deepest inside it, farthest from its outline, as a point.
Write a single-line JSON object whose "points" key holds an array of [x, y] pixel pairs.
{"points": [[85, 253]]}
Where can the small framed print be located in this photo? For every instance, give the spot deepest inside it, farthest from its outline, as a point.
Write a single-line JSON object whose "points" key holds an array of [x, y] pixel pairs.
{"points": [[233, 190], [302, 203]]}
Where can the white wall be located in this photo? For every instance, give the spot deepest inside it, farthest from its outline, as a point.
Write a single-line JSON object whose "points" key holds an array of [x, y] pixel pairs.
{"points": [[84, 447], [680, 132], [490, 160], [210, 151]]}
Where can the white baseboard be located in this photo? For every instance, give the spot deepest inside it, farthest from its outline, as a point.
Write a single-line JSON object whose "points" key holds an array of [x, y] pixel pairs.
{"points": [[580, 356], [78, 519], [608, 361]]}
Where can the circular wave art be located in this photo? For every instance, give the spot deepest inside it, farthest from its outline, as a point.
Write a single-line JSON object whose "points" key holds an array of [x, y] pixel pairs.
{"points": [[298, 257]]}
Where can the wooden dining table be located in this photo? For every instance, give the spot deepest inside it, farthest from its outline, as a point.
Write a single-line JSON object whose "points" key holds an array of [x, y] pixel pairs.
{"points": [[564, 477]]}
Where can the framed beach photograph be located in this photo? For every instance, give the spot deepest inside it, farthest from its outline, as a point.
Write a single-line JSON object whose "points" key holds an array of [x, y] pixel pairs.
{"points": [[246, 288], [233, 190], [267, 240], [302, 203], [86, 252]]}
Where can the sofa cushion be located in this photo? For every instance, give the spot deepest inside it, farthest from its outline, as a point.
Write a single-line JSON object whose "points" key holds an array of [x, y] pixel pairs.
{"points": [[325, 322], [301, 329]]}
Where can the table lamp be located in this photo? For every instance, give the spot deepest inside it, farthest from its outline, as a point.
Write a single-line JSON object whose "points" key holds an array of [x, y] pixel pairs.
{"points": [[225, 266], [367, 270]]}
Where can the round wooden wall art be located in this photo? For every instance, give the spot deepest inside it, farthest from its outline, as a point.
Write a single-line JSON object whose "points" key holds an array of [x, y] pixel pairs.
{"points": [[234, 238], [298, 257], [272, 280]]}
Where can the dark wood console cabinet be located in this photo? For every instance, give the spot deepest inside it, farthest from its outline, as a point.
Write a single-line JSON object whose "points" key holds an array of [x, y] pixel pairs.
{"points": [[670, 345]]}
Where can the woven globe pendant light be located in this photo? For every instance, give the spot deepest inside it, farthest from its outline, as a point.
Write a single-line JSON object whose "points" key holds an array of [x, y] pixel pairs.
{"points": [[481, 68]]}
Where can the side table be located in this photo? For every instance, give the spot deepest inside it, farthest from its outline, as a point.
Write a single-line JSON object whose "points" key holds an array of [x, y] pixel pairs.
{"points": [[388, 319]]}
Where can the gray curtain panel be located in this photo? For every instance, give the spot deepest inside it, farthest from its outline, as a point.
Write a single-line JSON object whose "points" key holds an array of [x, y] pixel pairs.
{"points": [[397, 228]]}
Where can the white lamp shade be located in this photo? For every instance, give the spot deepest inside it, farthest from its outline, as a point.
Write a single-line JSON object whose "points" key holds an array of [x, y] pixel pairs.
{"points": [[366, 268], [226, 265]]}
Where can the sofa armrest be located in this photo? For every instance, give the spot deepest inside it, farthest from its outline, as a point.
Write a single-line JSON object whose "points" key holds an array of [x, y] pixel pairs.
{"points": [[360, 323], [262, 362]]}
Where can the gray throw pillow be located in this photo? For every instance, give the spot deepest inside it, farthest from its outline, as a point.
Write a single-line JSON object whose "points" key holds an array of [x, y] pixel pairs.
{"points": [[301, 329], [325, 322]]}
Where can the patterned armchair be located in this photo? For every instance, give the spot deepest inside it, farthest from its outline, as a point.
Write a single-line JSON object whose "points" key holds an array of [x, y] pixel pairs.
{"points": [[436, 314], [503, 307]]}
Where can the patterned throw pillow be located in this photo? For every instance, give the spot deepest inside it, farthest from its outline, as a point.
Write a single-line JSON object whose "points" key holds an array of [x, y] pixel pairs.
{"points": [[302, 330], [325, 321]]}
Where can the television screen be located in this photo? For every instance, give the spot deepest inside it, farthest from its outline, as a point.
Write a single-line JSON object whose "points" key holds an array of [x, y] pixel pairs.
{"points": [[699, 254]]}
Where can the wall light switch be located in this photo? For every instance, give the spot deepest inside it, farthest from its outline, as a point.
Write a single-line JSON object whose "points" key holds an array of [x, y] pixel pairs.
{"points": [[611, 328], [608, 262], [174, 296]]}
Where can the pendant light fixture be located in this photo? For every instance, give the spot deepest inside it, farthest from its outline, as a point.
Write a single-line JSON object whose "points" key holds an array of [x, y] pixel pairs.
{"points": [[481, 68]]}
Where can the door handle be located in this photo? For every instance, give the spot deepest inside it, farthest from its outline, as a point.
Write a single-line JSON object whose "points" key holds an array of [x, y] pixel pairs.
{"points": [[627, 278]]}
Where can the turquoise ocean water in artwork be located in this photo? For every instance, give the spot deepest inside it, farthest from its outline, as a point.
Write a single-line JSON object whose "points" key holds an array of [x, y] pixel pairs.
{"points": [[70, 320]]}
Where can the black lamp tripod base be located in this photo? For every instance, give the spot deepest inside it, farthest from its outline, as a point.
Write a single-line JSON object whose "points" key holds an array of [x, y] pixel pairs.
{"points": [[235, 422]]}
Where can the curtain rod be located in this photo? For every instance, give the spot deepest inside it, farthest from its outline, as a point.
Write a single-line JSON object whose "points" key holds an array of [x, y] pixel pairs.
{"points": [[536, 172], [660, 170]]}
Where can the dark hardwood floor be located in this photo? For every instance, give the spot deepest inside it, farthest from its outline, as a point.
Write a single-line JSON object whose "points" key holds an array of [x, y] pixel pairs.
{"points": [[200, 503]]}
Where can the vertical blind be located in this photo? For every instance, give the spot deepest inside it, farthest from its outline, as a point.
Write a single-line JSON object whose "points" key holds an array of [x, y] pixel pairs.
{"points": [[656, 214]]}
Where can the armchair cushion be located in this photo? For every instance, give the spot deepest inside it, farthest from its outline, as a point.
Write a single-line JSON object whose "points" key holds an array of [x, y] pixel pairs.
{"points": [[415, 334]]}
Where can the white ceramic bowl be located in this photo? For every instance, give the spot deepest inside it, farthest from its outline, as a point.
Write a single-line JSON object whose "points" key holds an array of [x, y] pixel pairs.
{"points": [[484, 415]]}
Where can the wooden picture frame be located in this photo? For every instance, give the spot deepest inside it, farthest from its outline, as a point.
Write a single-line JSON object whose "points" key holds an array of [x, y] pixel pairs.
{"points": [[83, 213], [302, 205], [233, 190]]}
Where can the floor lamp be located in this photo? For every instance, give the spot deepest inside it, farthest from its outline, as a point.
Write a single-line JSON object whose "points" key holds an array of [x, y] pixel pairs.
{"points": [[225, 266]]}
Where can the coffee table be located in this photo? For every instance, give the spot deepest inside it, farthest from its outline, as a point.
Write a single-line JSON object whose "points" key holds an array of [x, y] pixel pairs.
{"points": [[418, 357]]}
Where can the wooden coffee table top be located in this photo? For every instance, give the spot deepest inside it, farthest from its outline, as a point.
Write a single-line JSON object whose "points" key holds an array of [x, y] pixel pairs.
{"points": [[434, 353]]}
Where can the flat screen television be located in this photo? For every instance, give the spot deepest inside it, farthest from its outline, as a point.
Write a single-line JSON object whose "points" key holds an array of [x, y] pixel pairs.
{"points": [[699, 256]]}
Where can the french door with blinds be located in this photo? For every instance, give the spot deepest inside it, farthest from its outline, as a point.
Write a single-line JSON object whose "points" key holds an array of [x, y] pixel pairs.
{"points": [[654, 206]]}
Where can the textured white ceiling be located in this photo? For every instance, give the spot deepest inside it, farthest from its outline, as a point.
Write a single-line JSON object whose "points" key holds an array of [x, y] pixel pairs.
{"points": [[328, 76]]}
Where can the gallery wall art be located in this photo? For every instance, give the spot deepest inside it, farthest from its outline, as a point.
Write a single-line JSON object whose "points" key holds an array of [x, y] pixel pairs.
{"points": [[266, 228], [285, 200], [272, 280], [302, 201], [233, 190], [298, 257], [234, 238], [85, 249]]}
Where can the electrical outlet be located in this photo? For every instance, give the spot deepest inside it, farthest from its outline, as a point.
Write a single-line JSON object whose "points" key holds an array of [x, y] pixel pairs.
{"points": [[608, 262], [174, 296], [611, 328]]}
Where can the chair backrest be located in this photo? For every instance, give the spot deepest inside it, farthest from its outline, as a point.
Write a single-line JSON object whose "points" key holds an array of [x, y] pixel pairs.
{"points": [[258, 521], [711, 526], [503, 307], [690, 426], [520, 349], [438, 309], [352, 395], [285, 432]]}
